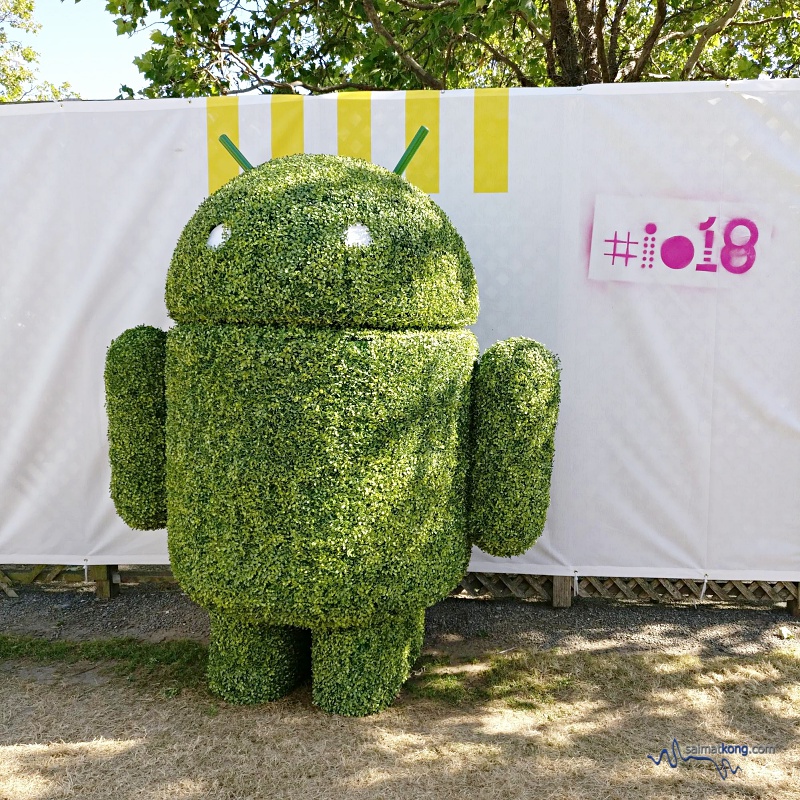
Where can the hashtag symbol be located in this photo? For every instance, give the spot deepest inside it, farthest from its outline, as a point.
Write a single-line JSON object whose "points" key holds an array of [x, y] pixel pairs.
{"points": [[620, 253]]}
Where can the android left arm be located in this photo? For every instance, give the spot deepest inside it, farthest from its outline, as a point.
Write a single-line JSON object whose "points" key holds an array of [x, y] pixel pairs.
{"points": [[516, 393], [137, 411]]}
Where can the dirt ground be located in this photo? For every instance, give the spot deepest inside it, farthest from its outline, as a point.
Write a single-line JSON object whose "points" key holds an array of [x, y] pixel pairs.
{"points": [[573, 702]]}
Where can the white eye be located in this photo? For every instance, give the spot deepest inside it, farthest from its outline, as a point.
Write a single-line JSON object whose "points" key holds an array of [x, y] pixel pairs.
{"points": [[357, 236], [218, 236]]}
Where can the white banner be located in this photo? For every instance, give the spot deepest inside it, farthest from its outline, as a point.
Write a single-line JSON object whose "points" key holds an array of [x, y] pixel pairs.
{"points": [[648, 234]]}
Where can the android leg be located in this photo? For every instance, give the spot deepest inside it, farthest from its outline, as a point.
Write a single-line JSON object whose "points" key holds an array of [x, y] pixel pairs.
{"points": [[252, 662], [358, 671]]}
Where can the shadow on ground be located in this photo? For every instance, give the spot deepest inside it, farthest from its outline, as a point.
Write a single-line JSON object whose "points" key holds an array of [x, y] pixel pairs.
{"points": [[476, 721]]}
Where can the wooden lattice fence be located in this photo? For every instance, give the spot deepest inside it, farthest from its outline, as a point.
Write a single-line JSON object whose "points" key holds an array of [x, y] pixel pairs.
{"points": [[558, 590]]}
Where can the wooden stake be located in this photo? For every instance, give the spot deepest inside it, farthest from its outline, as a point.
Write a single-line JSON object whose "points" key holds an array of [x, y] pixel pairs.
{"points": [[105, 585], [5, 585], [793, 605], [562, 591]]}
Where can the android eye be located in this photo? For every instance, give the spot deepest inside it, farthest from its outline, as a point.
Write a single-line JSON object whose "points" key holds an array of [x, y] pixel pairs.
{"points": [[357, 236], [218, 236]]}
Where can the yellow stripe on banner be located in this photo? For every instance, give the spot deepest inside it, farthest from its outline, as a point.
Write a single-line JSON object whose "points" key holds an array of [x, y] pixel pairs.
{"points": [[222, 116], [491, 140], [287, 125], [422, 108], [354, 124]]}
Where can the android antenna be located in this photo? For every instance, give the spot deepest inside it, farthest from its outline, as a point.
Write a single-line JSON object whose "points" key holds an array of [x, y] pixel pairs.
{"points": [[236, 153], [411, 150]]}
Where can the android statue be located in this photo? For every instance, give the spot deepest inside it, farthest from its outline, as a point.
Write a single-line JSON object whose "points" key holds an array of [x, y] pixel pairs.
{"points": [[317, 432]]}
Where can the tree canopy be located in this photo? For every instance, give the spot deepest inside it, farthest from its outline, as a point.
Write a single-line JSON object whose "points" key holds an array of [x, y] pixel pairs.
{"points": [[18, 61], [210, 47]]}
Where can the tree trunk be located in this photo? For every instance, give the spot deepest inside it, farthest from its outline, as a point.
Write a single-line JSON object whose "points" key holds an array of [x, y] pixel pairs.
{"points": [[587, 39], [571, 72]]}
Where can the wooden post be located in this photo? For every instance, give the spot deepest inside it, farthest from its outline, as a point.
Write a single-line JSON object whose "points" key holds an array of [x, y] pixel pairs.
{"points": [[5, 585], [106, 580], [562, 591], [793, 605]]}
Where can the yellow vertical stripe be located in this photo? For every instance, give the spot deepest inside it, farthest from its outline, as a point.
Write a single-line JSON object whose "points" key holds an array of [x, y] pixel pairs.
{"points": [[422, 108], [491, 140], [354, 124], [287, 125], [222, 116]]}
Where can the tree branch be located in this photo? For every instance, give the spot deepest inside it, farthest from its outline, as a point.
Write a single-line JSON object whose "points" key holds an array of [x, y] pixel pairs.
{"points": [[313, 89], [707, 70], [428, 6], [613, 40], [261, 81], [566, 46], [712, 29], [547, 44], [523, 79], [700, 28], [534, 29], [585, 17], [787, 73], [635, 73], [599, 33], [424, 77], [752, 22]]}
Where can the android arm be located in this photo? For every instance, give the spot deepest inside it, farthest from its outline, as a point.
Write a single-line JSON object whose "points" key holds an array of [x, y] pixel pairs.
{"points": [[514, 413], [137, 411]]}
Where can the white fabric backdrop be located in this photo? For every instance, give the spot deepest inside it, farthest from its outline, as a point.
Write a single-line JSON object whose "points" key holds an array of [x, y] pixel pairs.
{"points": [[678, 447]]}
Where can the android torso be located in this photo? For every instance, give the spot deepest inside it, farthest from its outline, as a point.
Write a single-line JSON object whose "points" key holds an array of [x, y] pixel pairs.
{"points": [[312, 471]]}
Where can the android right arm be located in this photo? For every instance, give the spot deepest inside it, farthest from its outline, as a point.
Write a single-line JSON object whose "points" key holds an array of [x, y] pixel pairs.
{"points": [[137, 412], [516, 393]]}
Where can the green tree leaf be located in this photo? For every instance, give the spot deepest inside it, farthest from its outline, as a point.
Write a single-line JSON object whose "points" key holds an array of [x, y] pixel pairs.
{"points": [[18, 62], [206, 47]]}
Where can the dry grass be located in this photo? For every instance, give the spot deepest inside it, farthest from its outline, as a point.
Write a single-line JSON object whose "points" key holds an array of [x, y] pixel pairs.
{"points": [[515, 725]]}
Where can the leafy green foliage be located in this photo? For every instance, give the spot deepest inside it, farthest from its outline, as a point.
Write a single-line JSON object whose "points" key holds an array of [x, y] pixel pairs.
{"points": [[137, 412], [516, 394], [318, 435], [359, 671], [252, 662], [18, 61], [317, 477], [284, 257], [273, 45]]}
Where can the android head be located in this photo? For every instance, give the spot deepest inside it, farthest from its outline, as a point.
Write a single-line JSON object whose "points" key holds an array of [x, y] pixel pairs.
{"points": [[320, 241]]}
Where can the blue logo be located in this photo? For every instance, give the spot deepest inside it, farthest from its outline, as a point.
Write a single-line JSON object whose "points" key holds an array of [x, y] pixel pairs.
{"points": [[723, 767]]}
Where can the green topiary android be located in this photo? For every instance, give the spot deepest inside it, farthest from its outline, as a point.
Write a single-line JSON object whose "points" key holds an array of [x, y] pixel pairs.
{"points": [[317, 433]]}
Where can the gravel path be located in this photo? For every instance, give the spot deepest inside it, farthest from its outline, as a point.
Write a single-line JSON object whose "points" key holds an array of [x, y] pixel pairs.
{"points": [[458, 626]]}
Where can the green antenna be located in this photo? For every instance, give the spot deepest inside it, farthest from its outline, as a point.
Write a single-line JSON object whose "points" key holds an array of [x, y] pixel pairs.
{"points": [[402, 164], [236, 153], [411, 150]]}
